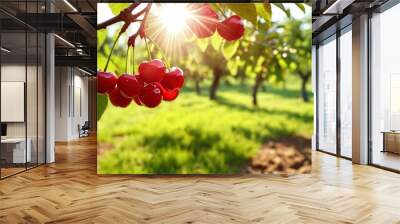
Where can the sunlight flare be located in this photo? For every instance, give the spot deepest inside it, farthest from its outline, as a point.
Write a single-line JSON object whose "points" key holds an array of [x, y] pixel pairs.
{"points": [[174, 17]]}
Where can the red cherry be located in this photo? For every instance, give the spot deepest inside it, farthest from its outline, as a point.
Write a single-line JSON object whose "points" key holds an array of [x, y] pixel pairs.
{"points": [[117, 99], [173, 79], [231, 29], [204, 22], [152, 71], [150, 95], [130, 85], [168, 95], [106, 82], [137, 100]]}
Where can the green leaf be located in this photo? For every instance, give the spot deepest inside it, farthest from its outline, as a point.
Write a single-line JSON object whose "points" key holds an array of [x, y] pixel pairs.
{"points": [[301, 7], [282, 7], [101, 38], [215, 6], [202, 44], [264, 10], [233, 66], [245, 10], [116, 8], [102, 102], [197, 57], [216, 41], [230, 49]]}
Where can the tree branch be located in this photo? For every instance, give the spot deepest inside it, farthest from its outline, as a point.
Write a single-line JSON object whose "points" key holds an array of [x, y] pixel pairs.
{"points": [[124, 16], [140, 31]]}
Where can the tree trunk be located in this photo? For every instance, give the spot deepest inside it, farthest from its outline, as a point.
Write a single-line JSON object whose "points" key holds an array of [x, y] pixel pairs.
{"points": [[215, 84], [304, 90], [197, 87], [257, 84], [242, 79], [304, 80]]}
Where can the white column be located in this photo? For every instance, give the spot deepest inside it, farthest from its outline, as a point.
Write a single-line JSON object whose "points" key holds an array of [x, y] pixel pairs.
{"points": [[360, 90], [50, 98]]}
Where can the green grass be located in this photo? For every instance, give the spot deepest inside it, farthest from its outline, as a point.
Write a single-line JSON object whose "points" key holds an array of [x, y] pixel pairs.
{"points": [[195, 135]]}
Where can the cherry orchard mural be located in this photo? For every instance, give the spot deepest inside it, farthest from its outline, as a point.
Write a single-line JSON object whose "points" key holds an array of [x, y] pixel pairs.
{"points": [[155, 60]]}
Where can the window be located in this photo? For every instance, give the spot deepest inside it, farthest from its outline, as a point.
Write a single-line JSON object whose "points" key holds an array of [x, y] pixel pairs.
{"points": [[346, 75], [327, 95], [385, 89]]}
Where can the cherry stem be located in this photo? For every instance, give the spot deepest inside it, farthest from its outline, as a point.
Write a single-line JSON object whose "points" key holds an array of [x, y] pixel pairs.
{"points": [[133, 60], [112, 49], [161, 52], [221, 11], [148, 49], [126, 60]]}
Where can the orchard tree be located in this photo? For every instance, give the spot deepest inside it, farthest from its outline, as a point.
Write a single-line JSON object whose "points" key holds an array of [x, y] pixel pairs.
{"points": [[262, 59], [195, 69], [219, 51], [297, 35], [261, 54]]}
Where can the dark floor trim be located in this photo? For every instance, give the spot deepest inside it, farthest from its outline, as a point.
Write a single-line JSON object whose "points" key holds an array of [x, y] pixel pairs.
{"points": [[333, 154], [22, 171]]}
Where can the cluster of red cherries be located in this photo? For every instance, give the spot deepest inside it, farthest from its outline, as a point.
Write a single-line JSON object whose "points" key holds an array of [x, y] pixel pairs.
{"points": [[153, 84], [206, 22]]}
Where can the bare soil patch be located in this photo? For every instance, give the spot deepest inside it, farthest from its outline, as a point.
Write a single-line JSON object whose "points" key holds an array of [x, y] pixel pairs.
{"points": [[291, 155]]}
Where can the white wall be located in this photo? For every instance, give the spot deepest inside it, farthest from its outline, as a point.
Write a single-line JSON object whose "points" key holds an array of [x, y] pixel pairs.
{"points": [[70, 84], [61, 103], [33, 127], [14, 73]]}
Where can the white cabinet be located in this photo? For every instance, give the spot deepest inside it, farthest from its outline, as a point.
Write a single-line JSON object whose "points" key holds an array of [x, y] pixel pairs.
{"points": [[19, 155]]}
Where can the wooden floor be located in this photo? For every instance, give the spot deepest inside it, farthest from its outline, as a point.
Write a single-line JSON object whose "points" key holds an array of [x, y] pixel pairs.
{"points": [[69, 191], [5, 172], [387, 159]]}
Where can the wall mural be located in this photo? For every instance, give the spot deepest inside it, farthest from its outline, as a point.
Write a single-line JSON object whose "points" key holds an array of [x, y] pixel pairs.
{"points": [[199, 88]]}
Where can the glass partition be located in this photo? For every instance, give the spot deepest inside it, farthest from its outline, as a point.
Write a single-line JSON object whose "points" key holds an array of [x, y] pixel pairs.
{"points": [[346, 92], [385, 89], [14, 153], [327, 95], [22, 101]]}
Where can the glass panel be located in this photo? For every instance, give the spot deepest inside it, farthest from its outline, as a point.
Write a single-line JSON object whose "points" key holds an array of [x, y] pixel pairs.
{"points": [[346, 94], [22, 88], [327, 96], [13, 86], [385, 84]]}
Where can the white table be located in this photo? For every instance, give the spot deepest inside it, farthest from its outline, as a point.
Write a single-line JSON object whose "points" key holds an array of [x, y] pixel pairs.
{"points": [[19, 155]]}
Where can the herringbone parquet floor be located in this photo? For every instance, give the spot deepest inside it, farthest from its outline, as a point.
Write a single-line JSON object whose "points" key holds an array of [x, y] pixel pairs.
{"points": [[69, 191]]}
